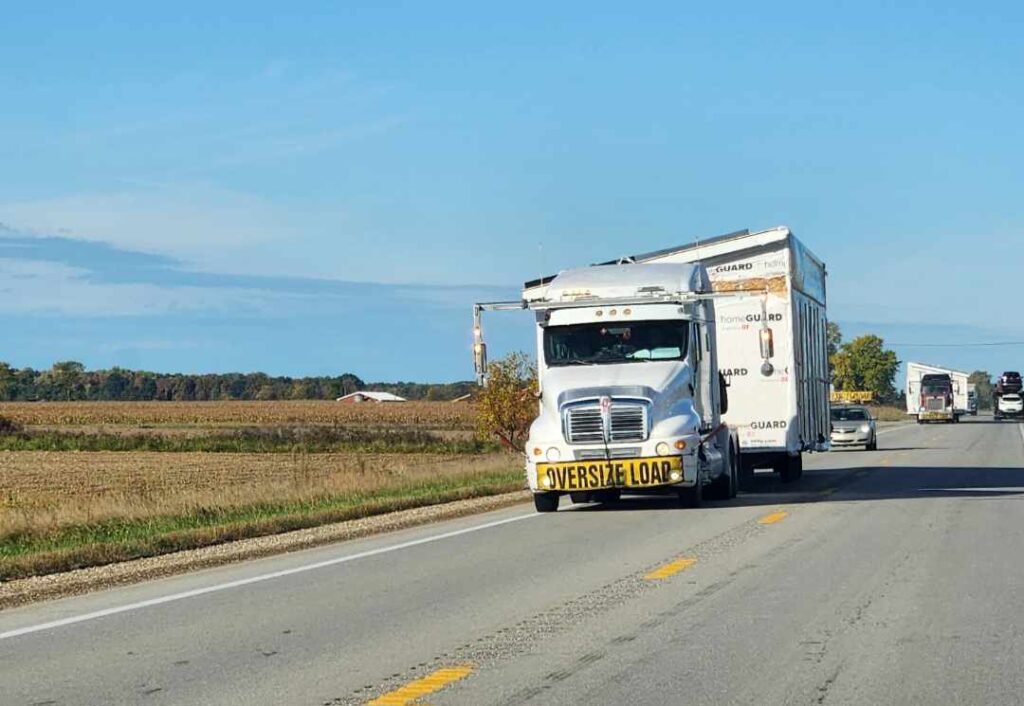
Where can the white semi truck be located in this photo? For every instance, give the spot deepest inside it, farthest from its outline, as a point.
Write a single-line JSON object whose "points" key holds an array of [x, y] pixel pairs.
{"points": [[960, 403], [677, 369], [630, 392]]}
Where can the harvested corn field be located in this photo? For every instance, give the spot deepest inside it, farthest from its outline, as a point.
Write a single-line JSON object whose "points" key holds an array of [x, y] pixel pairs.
{"points": [[73, 493]]}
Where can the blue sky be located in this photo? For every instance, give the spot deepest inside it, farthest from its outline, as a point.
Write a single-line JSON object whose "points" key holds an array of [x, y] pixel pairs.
{"points": [[328, 188]]}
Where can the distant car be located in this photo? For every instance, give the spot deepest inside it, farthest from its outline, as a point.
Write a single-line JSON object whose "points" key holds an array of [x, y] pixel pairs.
{"points": [[853, 425], [1009, 406]]}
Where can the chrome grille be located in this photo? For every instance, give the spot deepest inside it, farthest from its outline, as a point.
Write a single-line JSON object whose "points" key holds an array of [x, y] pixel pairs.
{"points": [[626, 421], [935, 404]]}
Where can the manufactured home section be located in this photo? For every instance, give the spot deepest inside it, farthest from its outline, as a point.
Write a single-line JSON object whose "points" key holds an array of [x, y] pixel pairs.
{"points": [[915, 371], [785, 408]]}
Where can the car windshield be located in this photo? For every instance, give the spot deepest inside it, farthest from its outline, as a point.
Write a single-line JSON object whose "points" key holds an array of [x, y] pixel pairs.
{"points": [[852, 414], [632, 342]]}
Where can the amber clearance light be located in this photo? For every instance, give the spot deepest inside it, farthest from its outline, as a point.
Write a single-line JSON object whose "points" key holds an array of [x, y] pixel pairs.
{"points": [[680, 445]]}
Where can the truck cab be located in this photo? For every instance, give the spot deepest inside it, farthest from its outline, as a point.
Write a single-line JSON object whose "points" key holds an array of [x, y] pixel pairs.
{"points": [[937, 399]]}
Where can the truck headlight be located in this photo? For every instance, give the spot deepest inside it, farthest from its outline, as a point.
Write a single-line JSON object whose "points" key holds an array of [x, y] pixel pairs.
{"points": [[663, 449], [553, 454]]}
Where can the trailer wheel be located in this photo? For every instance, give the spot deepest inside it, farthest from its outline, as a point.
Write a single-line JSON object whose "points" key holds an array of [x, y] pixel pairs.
{"points": [[546, 502]]}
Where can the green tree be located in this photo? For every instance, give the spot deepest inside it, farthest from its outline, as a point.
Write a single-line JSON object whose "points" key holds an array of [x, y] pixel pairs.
{"points": [[508, 402], [982, 381], [7, 382], [865, 364]]}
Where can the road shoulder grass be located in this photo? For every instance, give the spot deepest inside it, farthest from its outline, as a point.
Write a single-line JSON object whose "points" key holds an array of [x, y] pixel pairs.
{"points": [[81, 545]]}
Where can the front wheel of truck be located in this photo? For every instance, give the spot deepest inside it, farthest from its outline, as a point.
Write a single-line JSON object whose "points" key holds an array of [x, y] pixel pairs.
{"points": [[546, 502]]}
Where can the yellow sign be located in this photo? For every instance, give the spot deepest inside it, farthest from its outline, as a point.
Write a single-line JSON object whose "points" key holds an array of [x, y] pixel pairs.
{"points": [[853, 396], [618, 473]]}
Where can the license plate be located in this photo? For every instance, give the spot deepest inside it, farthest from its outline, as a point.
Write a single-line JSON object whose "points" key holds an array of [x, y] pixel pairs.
{"points": [[619, 473]]}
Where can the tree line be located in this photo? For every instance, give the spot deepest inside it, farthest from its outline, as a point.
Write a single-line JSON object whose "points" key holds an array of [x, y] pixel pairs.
{"points": [[70, 381]]}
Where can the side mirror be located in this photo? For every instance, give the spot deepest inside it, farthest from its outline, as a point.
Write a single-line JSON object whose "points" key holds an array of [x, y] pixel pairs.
{"points": [[723, 394]]}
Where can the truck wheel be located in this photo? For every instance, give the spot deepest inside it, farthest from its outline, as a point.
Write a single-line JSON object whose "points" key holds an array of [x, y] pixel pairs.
{"points": [[546, 502], [791, 468], [581, 498], [692, 497], [725, 486], [736, 465]]}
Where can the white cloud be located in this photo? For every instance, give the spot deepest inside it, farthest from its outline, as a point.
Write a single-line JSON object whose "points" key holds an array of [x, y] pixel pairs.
{"points": [[200, 224], [35, 287]]}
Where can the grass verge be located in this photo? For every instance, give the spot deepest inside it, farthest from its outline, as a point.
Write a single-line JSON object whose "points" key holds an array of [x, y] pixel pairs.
{"points": [[250, 440], [77, 546]]}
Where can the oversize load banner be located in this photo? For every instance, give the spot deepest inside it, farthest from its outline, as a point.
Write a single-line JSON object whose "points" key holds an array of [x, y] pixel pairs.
{"points": [[619, 473]]}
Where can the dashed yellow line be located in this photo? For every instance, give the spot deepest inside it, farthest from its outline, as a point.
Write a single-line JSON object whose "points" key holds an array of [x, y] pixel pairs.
{"points": [[773, 518], [416, 690], [670, 569]]}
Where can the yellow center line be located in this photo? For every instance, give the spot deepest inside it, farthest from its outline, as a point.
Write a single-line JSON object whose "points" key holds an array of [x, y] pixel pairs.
{"points": [[415, 690], [773, 518], [670, 569]]}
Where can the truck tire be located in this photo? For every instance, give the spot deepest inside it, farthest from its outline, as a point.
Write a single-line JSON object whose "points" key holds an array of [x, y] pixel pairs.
{"points": [[546, 502], [725, 486], [791, 468], [581, 498], [692, 497]]}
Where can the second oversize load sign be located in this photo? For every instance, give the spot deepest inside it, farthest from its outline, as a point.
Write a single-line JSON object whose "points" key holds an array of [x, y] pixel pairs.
{"points": [[620, 473]]}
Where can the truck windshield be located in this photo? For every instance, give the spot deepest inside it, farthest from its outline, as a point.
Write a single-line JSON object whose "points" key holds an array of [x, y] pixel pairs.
{"points": [[632, 342], [936, 388]]}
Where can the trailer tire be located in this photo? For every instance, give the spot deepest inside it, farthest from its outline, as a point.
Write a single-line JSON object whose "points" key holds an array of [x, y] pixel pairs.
{"points": [[546, 502]]}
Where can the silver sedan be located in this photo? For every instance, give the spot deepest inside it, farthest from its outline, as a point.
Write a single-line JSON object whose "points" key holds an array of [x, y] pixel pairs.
{"points": [[853, 425]]}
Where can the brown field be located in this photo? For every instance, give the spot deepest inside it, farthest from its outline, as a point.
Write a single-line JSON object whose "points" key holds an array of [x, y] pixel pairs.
{"points": [[423, 415], [44, 491], [66, 509]]}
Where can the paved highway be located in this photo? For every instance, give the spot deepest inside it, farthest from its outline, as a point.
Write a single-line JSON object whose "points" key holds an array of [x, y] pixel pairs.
{"points": [[894, 576]]}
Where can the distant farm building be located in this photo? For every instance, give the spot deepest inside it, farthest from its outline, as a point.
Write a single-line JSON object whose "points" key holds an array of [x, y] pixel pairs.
{"points": [[369, 396]]}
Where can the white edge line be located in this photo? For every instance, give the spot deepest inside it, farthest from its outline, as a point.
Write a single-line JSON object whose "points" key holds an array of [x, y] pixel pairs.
{"points": [[253, 579], [1020, 427]]}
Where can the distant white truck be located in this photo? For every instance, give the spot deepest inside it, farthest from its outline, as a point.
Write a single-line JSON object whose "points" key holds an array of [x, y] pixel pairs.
{"points": [[914, 392]]}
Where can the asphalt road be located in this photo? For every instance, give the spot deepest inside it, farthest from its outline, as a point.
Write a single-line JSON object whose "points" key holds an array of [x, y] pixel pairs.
{"points": [[894, 576]]}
